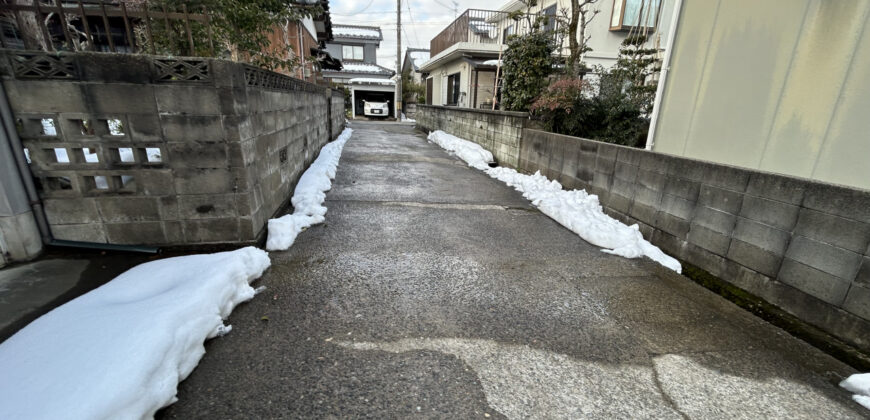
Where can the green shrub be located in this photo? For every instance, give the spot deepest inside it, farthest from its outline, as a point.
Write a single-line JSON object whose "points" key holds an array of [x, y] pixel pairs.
{"points": [[527, 64]]}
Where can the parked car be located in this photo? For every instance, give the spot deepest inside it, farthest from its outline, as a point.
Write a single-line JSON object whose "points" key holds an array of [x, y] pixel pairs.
{"points": [[376, 109]]}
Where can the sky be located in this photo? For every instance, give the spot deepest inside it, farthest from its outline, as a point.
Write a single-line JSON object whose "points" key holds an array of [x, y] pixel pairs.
{"points": [[421, 20]]}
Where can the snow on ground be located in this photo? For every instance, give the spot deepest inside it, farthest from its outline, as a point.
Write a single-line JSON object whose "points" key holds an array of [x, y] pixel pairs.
{"points": [[308, 197], [859, 384], [120, 350], [475, 156], [406, 119], [577, 210]]}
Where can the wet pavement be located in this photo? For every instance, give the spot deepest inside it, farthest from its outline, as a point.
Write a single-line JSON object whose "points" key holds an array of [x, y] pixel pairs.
{"points": [[434, 291], [30, 290]]}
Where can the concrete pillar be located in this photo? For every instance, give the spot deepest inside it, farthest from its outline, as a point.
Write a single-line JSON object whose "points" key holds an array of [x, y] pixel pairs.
{"points": [[19, 236]]}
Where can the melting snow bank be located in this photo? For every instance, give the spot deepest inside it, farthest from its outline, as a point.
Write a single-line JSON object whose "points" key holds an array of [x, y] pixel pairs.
{"points": [[576, 210], [120, 350], [475, 156], [308, 196], [859, 384]]}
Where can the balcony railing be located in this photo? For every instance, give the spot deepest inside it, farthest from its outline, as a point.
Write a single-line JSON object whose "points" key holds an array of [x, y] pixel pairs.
{"points": [[485, 27]]}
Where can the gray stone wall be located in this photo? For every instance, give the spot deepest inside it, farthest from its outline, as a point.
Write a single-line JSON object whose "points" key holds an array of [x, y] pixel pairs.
{"points": [[801, 245], [162, 151], [337, 114], [499, 132]]}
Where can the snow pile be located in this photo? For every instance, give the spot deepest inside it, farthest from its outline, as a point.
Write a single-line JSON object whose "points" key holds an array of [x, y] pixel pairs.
{"points": [[577, 210], [859, 384], [475, 156], [406, 119], [119, 351], [341, 31], [370, 81], [363, 68], [308, 197]]}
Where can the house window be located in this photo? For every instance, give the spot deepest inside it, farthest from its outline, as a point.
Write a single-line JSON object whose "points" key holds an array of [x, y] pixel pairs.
{"points": [[550, 13], [631, 14], [506, 33], [453, 84], [352, 52]]}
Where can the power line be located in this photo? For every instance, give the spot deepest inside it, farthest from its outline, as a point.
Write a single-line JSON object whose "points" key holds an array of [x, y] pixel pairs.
{"points": [[411, 18], [365, 8]]}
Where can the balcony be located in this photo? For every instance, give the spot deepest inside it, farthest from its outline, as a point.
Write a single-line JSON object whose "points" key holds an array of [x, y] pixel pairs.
{"points": [[477, 26]]}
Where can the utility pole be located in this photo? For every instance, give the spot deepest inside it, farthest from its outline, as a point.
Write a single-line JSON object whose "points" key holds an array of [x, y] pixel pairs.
{"points": [[398, 97]]}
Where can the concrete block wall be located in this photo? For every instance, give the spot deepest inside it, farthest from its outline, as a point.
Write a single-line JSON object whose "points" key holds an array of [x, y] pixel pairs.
{"points": [[162, 151], [497, 131], [801, 245], [337, 114]]}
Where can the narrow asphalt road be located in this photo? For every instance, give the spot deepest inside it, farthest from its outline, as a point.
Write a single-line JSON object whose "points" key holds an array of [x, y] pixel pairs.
{"points": [[434, 291]]}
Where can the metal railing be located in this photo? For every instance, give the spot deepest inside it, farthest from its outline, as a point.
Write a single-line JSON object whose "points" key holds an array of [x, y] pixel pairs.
{"points": [[104, 25], [478, 26]]}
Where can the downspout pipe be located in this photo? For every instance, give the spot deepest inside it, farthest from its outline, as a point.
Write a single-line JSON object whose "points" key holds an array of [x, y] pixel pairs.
{"points": [[663, 78], [8, 123]]}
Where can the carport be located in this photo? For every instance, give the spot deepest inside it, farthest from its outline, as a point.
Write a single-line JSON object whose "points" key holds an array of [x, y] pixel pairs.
{"points": [[372, 90]]}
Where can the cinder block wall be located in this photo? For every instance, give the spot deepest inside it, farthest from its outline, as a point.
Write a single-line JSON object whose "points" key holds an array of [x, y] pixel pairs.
{"points": [[162, 151], [337, 114], [801, 245], [499, 132]]}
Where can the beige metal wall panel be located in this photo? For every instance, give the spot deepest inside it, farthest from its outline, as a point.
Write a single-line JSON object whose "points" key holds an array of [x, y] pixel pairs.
{"points": [[779, 85]]}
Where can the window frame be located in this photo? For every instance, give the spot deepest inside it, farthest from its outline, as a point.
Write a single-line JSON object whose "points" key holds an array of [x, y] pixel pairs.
{"points": [[550, 13], [454, 81], [621, 26], [353, 51]]}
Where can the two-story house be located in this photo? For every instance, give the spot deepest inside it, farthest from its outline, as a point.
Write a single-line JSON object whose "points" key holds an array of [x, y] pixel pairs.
{"points": [[464, 64], [357, 47]]}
